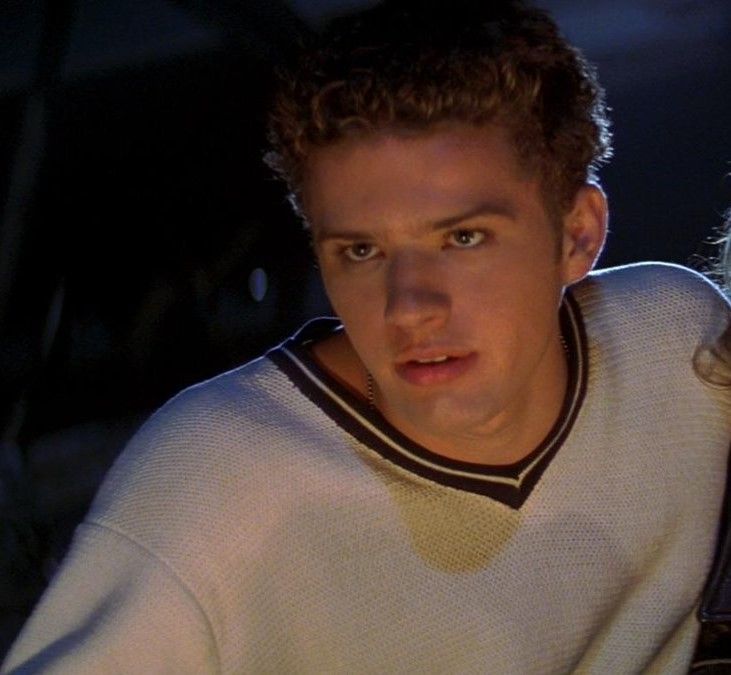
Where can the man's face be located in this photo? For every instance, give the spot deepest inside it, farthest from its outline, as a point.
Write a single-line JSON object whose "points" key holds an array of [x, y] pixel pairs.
{"points": [[438, 245]]}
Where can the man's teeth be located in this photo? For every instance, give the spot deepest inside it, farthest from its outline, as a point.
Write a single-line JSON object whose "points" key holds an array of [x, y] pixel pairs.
{"points": [[438, 359]]}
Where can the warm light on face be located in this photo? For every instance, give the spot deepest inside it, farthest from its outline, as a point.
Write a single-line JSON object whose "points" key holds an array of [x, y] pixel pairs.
{"points": [[439, 256]]}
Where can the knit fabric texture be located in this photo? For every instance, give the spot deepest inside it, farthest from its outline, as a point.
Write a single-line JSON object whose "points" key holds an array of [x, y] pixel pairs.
{"points": [[253, 526]]}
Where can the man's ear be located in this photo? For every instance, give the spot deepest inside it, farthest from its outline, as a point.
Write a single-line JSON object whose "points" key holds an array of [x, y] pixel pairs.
{"points": [[584, 232]]}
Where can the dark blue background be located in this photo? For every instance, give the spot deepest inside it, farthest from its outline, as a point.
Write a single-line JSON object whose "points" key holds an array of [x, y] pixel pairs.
{"points": [[135, 207]]}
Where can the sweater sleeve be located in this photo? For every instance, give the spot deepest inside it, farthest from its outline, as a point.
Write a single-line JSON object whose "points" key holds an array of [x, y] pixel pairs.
{"points": [[114, 608]]}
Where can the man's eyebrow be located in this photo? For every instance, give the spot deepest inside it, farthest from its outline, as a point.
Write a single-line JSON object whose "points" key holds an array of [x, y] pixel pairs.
{"points": [[323, 233], [492, 208]]}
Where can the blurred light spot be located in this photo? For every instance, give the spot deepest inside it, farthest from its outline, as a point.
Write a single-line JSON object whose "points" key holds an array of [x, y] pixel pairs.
{"points": [[258, 284]]}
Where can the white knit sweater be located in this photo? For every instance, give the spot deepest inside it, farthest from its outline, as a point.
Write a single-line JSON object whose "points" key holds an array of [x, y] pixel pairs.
{"points": [[268, 522]]}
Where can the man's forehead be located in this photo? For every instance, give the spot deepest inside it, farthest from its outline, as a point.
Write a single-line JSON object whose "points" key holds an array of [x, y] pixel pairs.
{"points": [[419, 178]]}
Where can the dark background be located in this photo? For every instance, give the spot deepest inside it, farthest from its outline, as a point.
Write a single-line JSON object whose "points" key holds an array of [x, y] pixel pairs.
{"points": [[135, 208]]}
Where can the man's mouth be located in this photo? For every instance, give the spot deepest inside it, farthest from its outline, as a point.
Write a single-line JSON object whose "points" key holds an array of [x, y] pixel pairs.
{"points": [[437, 369]]}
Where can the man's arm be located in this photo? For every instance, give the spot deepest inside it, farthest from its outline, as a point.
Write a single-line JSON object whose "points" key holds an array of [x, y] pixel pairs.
{"points": [[114, 607]]}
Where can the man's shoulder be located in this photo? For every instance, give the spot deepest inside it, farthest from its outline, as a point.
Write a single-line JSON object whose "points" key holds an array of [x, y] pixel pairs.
{"points": [[225, 389], [231, 425], [667, 310], [650, 279], [652, 289], [649, 274], [250, 395], [213, 403]]}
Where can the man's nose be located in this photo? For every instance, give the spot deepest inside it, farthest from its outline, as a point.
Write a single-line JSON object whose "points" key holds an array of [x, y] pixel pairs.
{"points": [[416, 295]]}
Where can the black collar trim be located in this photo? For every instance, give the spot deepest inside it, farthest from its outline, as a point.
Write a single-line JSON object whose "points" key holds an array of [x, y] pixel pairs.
{"points": [[509, 484]]}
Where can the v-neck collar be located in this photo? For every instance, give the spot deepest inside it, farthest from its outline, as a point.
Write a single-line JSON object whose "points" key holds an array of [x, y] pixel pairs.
{"points": [[509, 484]]}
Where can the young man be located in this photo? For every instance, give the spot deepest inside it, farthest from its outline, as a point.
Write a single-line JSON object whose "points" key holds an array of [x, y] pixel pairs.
{"points": [[489, 463]]}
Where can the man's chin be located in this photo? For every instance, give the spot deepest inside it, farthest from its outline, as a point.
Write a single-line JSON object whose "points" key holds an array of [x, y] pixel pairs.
{"points": [[442, 417]]}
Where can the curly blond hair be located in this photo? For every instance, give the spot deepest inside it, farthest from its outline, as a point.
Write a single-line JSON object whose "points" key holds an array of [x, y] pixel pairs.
{"points": [[410, 64], [712, 362]]}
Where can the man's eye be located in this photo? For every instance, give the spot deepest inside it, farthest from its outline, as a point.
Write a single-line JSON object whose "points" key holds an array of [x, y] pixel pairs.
{"points": [[360, 252], [466, 238]]}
